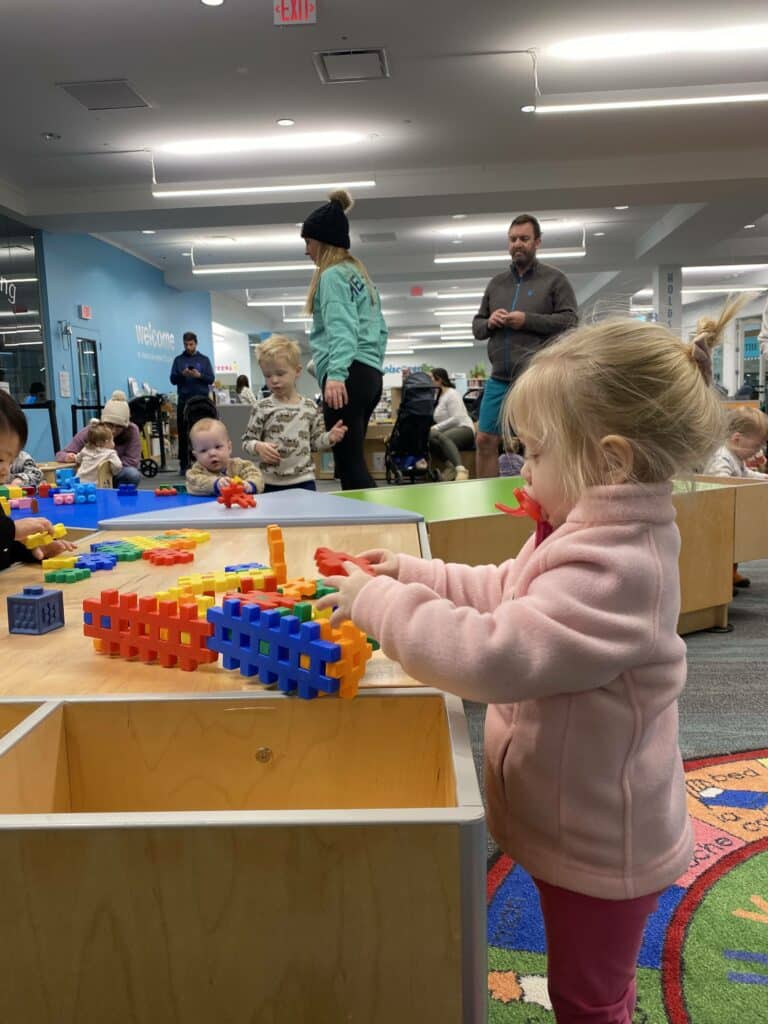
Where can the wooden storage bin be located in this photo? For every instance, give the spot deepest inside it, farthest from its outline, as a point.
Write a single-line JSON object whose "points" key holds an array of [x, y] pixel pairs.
{"points": [[242, 859]]}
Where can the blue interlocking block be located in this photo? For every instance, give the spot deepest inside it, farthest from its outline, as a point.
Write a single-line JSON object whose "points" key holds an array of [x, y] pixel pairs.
{"points": [[35, 611], [65, 478], [96, 561], [279, 649], [127, 490], [85, 494], [244, 566]]}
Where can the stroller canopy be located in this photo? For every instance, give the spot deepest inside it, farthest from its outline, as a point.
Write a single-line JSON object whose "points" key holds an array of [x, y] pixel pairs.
{"points": [[418, 395]]}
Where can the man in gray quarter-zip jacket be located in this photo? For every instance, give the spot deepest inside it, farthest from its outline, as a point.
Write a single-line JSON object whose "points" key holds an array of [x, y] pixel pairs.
{"points": [[522, 310]]}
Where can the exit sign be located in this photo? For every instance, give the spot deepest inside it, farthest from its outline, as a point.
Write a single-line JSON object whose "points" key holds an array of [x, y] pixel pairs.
{"points": [[84, 312], [295, 12]]}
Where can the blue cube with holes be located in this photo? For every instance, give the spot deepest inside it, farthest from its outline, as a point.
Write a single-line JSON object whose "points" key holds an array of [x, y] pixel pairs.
{"points": [[35, 611]]}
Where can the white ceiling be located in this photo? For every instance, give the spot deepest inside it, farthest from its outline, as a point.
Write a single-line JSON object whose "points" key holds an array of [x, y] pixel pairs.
{"points": [[443, 136]]}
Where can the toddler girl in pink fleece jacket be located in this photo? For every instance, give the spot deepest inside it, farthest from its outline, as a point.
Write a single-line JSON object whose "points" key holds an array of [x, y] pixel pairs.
{"points": [[574, 645]]}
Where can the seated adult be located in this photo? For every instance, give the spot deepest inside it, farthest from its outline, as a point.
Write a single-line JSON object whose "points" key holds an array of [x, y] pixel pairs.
{"points": [[117, 416], [453, 431]]}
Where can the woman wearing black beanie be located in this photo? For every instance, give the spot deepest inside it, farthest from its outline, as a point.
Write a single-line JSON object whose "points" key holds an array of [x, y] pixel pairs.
{"points": [[348, 335]]}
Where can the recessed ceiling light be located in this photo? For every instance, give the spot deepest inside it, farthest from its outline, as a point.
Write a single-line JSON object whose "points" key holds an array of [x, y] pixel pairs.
{"points": [[286, 122], [621, 207], [528, 109], [599, 234], [186, 253], [50, 137], [147, 231], [221, 147], [748, 227], [456, 241], [212, 3], [458, 216]]}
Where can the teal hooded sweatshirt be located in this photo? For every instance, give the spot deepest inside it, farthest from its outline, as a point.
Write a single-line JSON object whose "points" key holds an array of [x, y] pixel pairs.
{"points": [[347, 325]]}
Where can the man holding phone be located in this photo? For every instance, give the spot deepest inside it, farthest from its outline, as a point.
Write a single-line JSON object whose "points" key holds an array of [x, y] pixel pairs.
{"points": [[192, 374]]}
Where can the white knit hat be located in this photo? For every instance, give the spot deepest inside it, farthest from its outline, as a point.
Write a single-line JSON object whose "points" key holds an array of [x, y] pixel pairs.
{"points": [[116, 410]]}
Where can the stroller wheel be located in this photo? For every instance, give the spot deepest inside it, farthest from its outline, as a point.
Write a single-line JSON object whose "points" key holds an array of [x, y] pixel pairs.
{"points": [[394, 476], [148, 467], [434, 476]]}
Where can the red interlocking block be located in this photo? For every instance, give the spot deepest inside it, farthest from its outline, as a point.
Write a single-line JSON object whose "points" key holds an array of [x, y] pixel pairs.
{"points": [[330, 562]]}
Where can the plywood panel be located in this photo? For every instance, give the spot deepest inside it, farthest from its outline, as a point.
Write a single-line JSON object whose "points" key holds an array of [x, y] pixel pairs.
{"points": [[484, 540], [63, 662], [236, 925], [12, 714], [269, 754], [706, 523], [751, 534], [33, 770]]}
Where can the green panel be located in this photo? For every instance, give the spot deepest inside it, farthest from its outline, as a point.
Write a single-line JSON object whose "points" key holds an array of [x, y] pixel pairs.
{"points": [[445, 501]]}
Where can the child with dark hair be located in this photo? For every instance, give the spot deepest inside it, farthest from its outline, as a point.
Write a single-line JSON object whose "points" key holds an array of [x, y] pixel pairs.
{"points": [[13, 434]]}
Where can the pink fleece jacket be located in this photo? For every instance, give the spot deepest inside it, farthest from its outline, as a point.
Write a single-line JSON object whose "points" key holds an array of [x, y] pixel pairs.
{"points": [[574, 646]]}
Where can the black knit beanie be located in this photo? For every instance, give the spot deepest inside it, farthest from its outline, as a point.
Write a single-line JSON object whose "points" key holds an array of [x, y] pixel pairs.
{"points": [[328, 223]]}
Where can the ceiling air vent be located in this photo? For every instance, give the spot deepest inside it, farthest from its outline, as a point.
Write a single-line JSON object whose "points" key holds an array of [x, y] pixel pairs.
{"points": [[337, 67], [115, 94], [377, 237]]}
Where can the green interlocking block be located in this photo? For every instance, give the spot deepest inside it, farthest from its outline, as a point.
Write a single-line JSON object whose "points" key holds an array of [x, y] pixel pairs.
{"points": [[303, 611], [67, 575], [323, 589], [123, 552]]}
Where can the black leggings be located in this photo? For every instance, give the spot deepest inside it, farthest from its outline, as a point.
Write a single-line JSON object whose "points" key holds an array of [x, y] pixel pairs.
{"points": [[364, 386]]}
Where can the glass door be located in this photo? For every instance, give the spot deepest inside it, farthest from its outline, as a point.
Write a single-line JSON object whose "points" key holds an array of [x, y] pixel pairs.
{"points": [[89, 390], [751, 369]]}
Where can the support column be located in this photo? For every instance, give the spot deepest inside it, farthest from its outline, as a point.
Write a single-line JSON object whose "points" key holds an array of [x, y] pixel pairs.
{"points": [[668, 296]]}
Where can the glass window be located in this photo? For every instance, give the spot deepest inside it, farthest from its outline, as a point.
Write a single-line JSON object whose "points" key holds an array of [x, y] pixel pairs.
{"points": [[23, 369]]}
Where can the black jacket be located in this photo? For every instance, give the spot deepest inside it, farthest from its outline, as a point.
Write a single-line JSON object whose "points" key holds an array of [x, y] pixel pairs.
{"points": [[11, 550]]}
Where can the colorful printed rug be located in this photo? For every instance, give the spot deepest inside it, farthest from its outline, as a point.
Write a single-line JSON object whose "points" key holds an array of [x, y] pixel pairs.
{"points": [[704, 958]]}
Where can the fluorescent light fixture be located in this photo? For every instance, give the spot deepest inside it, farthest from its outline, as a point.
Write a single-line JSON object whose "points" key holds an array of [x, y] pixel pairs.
{"points": [[459, 295], [251, 268], [20, 330], [625, 207], [27, 312], [502, 227], [148, 231], [619, 46], [399, 352], [212, 3], [499, 257], [599, 234], [324, 186], [297, 319], [22, 344], [446, 344], [303, 141], [17, 280], [285, 122], [644, 293], [717, 290], [456, 310], [268, 303], [225, 241], [641, 309], [727, 268], [423, 334], [637, 99], [748, 227]]}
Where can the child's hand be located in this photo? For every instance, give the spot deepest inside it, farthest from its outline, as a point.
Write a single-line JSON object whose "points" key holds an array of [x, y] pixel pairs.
{"points": [[54, 548], [348, 588], [382, 561], [337, 432], [224, 481], [18, 482], [267, 453]]}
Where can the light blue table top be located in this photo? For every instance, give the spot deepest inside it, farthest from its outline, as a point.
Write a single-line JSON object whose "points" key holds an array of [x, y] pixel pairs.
{"points": [[289, 508]]}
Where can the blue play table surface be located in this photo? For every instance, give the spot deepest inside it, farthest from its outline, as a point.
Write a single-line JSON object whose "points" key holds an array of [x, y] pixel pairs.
{"points": [[108, 505]]}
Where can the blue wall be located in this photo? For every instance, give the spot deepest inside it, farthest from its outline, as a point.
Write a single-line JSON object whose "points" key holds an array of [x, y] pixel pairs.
{"points": [[124, 294]]}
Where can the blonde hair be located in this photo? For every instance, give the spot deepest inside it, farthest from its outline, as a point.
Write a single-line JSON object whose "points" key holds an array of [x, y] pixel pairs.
{"points": [[98, 434], [331, 255], [205, 425], [622, 379], [746, 420], [277, 346]]}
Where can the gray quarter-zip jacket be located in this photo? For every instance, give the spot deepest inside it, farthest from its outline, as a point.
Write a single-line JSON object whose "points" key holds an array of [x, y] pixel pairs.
{"points": [[546, 297]]}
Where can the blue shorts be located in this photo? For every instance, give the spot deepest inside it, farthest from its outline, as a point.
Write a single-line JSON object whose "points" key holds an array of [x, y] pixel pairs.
{"points": [[494, 393]]}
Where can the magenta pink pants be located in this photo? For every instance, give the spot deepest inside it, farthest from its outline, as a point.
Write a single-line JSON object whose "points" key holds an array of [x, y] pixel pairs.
{"points": [[592, 950]]}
